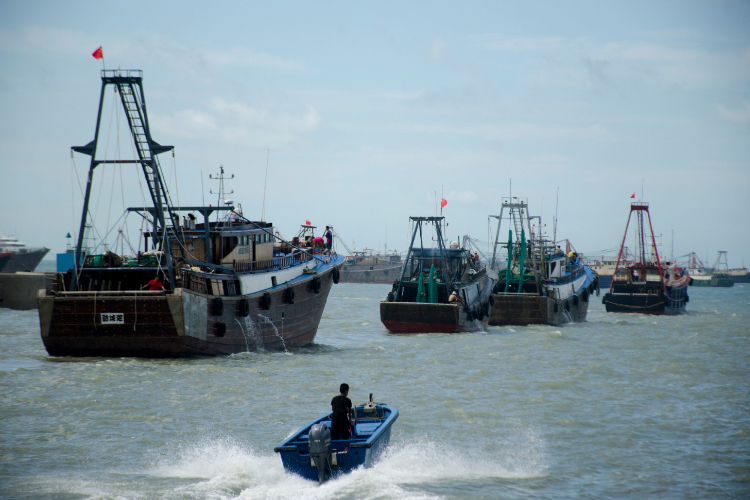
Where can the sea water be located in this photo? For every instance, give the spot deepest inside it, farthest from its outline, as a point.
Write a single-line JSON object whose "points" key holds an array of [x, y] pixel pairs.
{"points": [[627, 406]]}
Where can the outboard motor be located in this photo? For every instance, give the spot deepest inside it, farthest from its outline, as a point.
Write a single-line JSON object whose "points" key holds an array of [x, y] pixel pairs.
{"points": [[319, 442]]}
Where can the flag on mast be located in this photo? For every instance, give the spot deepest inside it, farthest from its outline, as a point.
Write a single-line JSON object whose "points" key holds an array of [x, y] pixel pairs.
{"points": [[632, 195], [98, 53]]}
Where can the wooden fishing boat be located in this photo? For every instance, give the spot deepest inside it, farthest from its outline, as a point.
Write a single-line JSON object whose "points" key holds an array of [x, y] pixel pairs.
{"points": [[541, 285], [225, 288], [455, 299], [648, 286], [312, 454]]}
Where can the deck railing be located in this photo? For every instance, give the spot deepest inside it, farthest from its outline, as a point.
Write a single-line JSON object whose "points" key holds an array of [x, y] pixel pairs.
{"points": [[275, 263]]}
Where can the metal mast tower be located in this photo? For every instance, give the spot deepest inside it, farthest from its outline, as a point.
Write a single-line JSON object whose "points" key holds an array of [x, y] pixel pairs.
{"points": [[129, 85]]}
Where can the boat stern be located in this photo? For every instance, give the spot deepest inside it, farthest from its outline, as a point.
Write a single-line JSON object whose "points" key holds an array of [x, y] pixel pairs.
{"points": [[414, 317], [142, 324]]}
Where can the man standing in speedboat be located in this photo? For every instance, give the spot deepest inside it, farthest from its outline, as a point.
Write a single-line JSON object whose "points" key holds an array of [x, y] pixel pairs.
{"points": [[341, 405]]}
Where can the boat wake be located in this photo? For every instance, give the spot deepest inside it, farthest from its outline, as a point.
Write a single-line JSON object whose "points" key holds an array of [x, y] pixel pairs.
{"points": [[228, 469]]}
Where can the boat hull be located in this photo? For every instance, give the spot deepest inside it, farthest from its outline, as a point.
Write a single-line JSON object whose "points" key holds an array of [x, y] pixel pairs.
{"points": [[24, 261], [674, 302], [346, 461], [369, 440], [713, 282], [413, 317], [533, 309], [740, 278], [182, 323], [364, 274]]}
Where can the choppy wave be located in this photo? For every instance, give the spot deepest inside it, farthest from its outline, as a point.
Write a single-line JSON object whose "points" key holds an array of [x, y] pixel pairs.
{"points": [[228, 469]]}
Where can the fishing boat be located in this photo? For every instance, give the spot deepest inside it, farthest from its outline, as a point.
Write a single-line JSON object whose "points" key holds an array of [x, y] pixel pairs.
{"points": [[366, 266], [216, 287], [440, 290], [312, 454], [711, 277], [17, 257], [540, 285], [648, 286]]}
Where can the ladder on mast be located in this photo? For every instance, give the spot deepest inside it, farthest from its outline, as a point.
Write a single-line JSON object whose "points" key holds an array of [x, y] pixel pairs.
{"points": [[129, 85]]}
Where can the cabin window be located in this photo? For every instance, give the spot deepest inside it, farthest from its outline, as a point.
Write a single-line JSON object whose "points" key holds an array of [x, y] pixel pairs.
{"points": [[552, 268]]}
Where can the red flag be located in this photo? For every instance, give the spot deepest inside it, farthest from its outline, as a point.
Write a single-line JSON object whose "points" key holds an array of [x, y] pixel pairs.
{"points": [[98, 54], [443, 202], [632, 195], [307, 222]]}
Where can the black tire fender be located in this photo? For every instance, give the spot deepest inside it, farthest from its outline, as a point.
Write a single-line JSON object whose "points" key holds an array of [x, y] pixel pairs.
{"points": [[265, 301], [336, 275], [220, 329], [218, 306], [316, 284], [289, 295], [244, 308]]}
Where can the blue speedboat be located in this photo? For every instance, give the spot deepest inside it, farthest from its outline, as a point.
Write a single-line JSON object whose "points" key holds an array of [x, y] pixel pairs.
{"points": [[312, 454]]}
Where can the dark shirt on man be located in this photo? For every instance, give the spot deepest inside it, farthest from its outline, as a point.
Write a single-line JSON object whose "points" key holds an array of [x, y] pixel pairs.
{"points": [[339, 417]]}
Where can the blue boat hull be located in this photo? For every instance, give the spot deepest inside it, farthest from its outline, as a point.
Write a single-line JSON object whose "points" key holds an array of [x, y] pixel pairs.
{"points": [[346, 461], [369, 441]]}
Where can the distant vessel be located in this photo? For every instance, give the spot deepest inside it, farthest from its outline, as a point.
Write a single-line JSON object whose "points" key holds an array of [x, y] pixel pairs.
{"points": [[225, 288], [605, 266], [739, 274], [368, 267], [648, 287], [703, 276], [20, 258], [541, 284], [439, 290]]}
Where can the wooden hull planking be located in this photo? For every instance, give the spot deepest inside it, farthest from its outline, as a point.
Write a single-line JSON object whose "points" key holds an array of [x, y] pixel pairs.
{"points": [[182, 323]]}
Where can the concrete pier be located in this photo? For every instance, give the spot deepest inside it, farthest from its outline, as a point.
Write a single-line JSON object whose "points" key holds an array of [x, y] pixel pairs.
{"points": [[19, 290]]}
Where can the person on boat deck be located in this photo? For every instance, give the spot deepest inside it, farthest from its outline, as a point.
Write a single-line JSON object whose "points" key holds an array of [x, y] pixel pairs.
{"points": [[341, 405], [475, 258], [317, 244], [455, 298], [329, 240], [154, 284]]}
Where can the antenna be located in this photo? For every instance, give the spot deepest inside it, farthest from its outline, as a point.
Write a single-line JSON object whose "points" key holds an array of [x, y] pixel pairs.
{"points": [[265, 182], [557, 200], [221, 193]]}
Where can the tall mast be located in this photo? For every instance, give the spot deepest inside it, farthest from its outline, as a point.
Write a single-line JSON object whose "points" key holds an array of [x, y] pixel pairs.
{"points": [[129, 85]]}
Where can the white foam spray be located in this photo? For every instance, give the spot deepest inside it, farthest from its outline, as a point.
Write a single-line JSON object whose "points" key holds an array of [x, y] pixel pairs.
{"points": [[275, 331]]}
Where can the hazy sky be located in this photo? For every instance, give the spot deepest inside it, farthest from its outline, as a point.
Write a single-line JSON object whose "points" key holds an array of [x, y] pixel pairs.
{"points": [[370, 110]]}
